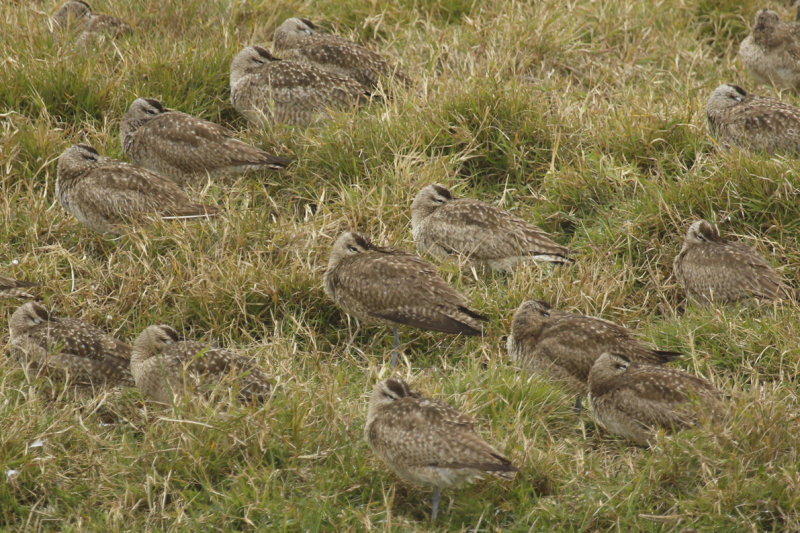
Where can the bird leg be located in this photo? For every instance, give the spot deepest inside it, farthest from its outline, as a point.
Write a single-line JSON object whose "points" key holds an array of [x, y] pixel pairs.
{"points": [[395, 353], [578, 408], [437, 495]]}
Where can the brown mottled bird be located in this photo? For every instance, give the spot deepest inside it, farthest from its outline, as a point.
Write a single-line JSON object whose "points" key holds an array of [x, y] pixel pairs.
{"points": [[423, 440], [12, 288], [772, 51], [757, 123], [712, 269], [69, 345], [300, 40], [564, 346], [392, 287], [77, 16], [484, 234], [184, 148], [105, 193], [266, 89], [635, 399], [163, 365]]}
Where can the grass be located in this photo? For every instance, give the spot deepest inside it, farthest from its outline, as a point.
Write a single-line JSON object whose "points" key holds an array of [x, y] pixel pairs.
{"points": [[583, 117]]}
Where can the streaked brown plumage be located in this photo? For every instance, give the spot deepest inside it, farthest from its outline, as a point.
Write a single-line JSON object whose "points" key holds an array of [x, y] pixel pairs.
{"points": [[423, 440], [757, 123], [12, 288], [564, 346], [105, 193], [266, 90], [712, 269], [69, 345], [184, 148], [392, 287], [635, 400], [482, 233], [163, 366], [772, 51], [300, 40], [77, 16]]}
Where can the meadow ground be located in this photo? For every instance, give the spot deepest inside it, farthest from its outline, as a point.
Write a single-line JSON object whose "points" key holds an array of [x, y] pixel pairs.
{"points": [[583, 117]]}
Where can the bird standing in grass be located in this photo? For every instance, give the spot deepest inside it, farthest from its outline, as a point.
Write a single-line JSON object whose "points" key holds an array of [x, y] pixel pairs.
{"points": [[105, 193], [69, 345], [565, 346], [12, 288], [392, 287], [772, 51], [756, 123], [184, 148], [635, 399], [300, 40], [426, 441], [485, 235], [266, 89], [712, 269], [164, 365]]}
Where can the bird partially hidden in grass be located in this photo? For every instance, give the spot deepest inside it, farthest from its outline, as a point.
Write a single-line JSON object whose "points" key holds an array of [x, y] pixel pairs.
{"points": [[485, 235], [299, 39], [761, 124], [427, 441], [564, 346], [187, 149], [12, 288], [392, 287], [771, 53], [166, 367], [104, 193], [266, 90], [635, 400], [69, 346], [77, 17], [712, 269]]}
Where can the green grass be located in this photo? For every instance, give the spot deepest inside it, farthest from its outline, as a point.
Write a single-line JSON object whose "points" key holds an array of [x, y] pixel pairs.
{"points": [[585, 118]]}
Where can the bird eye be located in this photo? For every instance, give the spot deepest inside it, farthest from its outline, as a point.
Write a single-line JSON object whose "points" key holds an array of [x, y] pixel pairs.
{"points": [[387, 395], [37, 320], [149, 111], [255, 60], [620, 366], [352, 248]]}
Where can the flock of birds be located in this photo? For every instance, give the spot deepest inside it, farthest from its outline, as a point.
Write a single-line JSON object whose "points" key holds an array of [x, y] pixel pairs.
{"points": [[423, 440]]}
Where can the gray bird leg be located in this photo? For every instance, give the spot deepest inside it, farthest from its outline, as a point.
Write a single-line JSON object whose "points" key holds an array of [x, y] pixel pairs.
{"points": [[578, 408], [437, 495], [394, 348]]}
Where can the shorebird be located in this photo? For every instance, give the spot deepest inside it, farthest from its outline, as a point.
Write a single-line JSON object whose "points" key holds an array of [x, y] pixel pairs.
{"points": [[78, 17], [184, 148], [69, 345], [484, 234], [163, 365], [12, 288], [104, 193], [424, 440], [712, 269], [772, 51], [266, 89], [299, 39], [635, 399], [736, 118], [392, 287], [564, 346]]}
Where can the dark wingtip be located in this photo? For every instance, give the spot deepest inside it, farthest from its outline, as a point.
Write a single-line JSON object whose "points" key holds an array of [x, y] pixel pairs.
{"points": [[473, 314], [666, 356]]}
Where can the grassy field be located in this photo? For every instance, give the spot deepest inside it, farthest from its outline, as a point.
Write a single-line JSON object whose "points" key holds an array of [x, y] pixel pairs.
{"points": [[584, 117]]}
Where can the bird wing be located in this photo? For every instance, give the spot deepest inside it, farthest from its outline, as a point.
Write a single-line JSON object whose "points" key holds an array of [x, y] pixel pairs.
{"points": [[359, 62], [200, 142], [289, 82], [726, 267], [405, 289], [487, 232], [115, 190]]}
